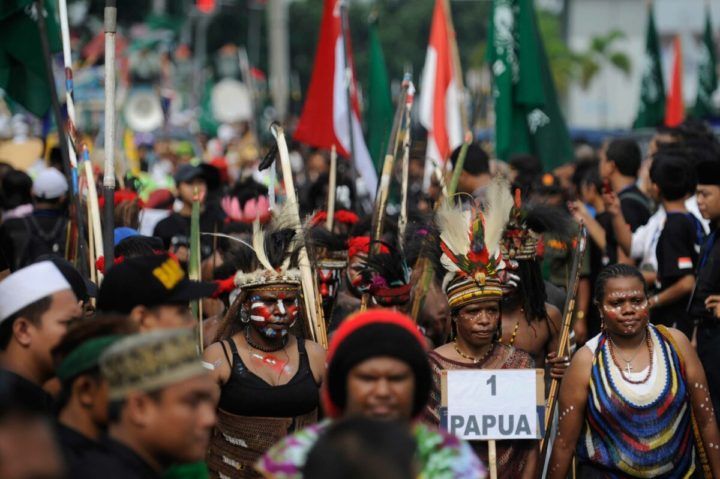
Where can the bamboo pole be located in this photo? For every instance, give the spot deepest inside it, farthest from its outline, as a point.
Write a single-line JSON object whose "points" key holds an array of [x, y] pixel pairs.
{"points": [[332, 185], [312, 307]]}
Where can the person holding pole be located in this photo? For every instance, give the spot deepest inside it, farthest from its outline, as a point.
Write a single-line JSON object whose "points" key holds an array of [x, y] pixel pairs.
{"points": [[473, 271], [634, 401], [268, 377]]}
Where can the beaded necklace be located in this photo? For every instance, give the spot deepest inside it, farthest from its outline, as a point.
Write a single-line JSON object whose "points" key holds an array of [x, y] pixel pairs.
{"points": [[472, 358], [512, 338], [649, 345]]}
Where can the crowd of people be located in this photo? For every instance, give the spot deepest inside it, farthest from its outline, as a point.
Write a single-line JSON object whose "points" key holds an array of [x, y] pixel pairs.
{"points": [[145, 373]]}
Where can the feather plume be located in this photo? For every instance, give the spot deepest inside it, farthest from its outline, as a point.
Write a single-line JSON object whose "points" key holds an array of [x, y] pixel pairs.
{"points": [[259, 246], [498, 203], [452, 222]]}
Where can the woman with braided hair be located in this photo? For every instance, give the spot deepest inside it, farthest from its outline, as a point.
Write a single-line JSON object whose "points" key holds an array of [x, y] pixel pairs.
{"points": [[634, 401]]}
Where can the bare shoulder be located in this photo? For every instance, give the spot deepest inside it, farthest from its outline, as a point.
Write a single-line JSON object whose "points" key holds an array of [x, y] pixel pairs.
{"points": [[316, 357], [554, 315], [214, 356], [581, 362], [213, 352], [314, 350], [679, 337]]}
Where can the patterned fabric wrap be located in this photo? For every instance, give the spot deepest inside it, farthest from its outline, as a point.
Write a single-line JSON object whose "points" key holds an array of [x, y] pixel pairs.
{"points": [[238, 441], [440, 455], [511, 455], [628, 434]]}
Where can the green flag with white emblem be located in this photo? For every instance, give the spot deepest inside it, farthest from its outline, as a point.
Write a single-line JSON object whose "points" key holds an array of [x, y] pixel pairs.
{"points": [[527, 115], [707, 74], [651, 110]]}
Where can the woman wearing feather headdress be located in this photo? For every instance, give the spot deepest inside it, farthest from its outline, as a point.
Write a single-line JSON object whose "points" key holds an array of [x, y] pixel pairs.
{"points": [[473, 274], [529, 322], [269, 379]]}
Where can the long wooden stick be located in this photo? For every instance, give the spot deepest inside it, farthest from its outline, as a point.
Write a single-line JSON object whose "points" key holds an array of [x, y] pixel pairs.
{"points": [[332, 185], [563, 347], [403, 217], [66, 149], [423, 265], [313, 308], [94, 212]]}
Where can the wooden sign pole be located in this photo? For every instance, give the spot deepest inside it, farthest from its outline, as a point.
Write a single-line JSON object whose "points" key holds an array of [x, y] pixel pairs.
{"points": [[492, 459]]}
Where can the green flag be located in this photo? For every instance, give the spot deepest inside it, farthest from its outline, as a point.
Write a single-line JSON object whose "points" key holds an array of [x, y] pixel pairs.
{"points": [[527, 114], [707, 74], [22, 66], [379, 114], [651, 111]]}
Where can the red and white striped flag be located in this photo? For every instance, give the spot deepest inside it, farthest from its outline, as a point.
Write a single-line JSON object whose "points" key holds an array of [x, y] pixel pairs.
{"points": [[440, 89], [324, 120]]}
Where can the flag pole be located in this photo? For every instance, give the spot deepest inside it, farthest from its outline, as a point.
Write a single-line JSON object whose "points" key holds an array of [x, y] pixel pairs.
{"points": [[109, 173], [69, 166], [345, 31]]}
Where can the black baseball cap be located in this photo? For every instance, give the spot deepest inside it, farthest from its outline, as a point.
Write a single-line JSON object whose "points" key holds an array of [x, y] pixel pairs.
{"points": [[148, 281], [188, 172]]}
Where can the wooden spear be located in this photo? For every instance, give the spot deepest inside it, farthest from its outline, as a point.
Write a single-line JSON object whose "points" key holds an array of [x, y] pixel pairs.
{"points": [[310, 297], [563, 347], [332, 185]]}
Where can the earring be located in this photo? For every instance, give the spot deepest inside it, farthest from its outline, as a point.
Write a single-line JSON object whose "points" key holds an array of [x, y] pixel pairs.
{"points": [[244, 316]]}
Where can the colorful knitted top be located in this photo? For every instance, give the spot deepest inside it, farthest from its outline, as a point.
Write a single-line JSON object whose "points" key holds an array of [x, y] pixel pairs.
{"points": [[639, 430], [439, 455]]}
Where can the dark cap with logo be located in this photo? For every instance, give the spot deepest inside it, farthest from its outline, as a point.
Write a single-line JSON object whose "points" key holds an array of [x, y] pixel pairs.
{"points": [[148, 281]]}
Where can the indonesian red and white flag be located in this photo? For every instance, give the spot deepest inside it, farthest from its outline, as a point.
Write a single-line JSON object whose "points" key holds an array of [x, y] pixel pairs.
{"points": [[324, 120], [440, 89]]}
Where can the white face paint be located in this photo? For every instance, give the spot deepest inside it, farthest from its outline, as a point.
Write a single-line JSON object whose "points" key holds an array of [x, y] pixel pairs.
{"points": [[258, 306], [281, 306]]}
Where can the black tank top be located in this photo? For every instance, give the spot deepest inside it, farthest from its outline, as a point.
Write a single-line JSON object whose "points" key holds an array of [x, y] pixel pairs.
{"points": [[247, 394]]}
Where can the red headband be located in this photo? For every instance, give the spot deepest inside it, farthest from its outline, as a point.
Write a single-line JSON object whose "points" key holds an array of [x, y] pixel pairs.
{"points": [[346, 217], [361, 244]]}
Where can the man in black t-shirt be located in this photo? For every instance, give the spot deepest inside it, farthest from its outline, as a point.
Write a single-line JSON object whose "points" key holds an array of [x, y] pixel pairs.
{"points": [[175, 229], [672, 179], [707, 287], [619, 164]]}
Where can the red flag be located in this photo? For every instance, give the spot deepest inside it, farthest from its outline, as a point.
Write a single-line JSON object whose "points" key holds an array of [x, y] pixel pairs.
{"points": [[440, 89], [324, 119], [675, 107]]}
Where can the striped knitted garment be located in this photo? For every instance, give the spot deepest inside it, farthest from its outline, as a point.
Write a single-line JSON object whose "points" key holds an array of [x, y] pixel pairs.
{"points": [[633, 431]]}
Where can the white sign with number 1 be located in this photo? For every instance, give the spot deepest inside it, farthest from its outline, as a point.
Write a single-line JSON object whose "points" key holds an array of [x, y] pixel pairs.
{"points": [[492, 403]]}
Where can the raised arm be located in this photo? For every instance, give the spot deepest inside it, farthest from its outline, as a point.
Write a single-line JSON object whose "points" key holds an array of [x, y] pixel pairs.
{"points": [[623, 233], [571, 413]]}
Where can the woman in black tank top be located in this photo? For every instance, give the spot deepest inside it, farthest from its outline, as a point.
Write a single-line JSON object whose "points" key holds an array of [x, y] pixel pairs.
{"points": [[269, 378]]}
